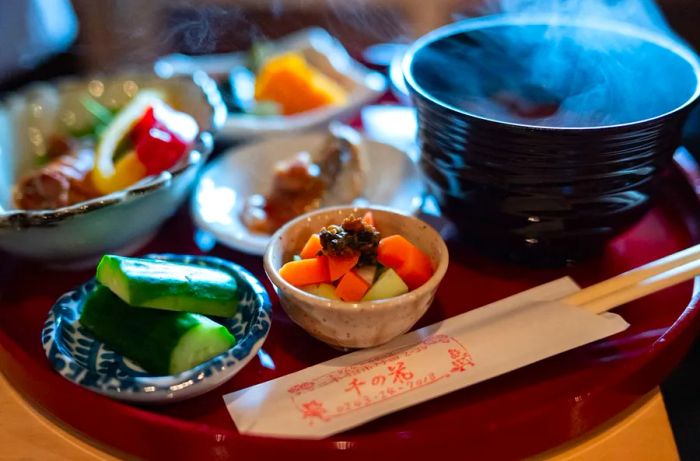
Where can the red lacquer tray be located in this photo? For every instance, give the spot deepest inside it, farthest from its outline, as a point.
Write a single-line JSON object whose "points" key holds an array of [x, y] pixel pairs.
{"points": [[519, 414]]}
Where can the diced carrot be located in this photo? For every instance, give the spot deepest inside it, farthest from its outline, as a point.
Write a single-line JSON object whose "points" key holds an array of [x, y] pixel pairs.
{"points": [[409, 262], [340, 265], [312, 248], [393, 251], [352, 287], [306, 271], [368, 218], [416, 269]]}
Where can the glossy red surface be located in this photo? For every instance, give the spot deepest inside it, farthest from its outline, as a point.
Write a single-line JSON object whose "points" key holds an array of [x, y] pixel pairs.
{"points": [[518, 414]]}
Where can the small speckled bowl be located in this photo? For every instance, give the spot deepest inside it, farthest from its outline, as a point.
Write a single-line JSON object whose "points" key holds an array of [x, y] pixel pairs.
{"points": [[355, 325]]}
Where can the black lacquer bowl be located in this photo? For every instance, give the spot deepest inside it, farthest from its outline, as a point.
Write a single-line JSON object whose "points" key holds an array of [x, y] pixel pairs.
{"points": [[543, 140]]}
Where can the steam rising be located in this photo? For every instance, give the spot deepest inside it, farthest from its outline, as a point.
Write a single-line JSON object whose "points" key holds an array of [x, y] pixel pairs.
{"points": [[194, 29], [200, 30], [547, 75], [577, 63], [642, 13]]}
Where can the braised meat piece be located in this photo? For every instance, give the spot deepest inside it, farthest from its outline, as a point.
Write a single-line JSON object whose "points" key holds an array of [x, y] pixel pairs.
{"points": [[296, 189], [333, 176], [64, 181]]}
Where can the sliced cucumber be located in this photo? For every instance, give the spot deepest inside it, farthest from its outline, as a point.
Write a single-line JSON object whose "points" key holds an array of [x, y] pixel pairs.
{"points": [[162, 342], [388, 285], [199, 344], [170, 286]]}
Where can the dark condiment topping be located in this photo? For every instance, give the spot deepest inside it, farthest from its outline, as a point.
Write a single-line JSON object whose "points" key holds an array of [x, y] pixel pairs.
{"points": [[352, 236]]}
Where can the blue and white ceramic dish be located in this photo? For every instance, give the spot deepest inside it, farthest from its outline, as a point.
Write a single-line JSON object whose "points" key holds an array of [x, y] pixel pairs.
{"points": [[77, 356]]}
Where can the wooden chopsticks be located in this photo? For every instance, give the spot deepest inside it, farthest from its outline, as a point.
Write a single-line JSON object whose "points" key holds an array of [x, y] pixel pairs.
{"points": [[639, 282]]}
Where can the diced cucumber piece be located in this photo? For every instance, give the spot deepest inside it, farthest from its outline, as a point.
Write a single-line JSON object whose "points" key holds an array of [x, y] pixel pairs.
{"points": [[367, 273], [388, 285], [170, 286], [199, 344], [324, 290], [162, 342]]}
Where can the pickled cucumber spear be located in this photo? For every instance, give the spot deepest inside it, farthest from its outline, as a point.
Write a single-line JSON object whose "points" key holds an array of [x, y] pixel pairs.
{"points": [[168, 285], [162, 342]]}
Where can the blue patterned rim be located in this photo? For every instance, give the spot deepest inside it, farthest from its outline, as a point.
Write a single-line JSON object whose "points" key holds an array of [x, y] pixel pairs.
{"points": [[77, 356]]}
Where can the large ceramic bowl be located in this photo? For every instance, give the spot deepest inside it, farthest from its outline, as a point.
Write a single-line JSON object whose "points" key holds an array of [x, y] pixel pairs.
{"points": [[349, 325], [117, 222], [547, 138]]}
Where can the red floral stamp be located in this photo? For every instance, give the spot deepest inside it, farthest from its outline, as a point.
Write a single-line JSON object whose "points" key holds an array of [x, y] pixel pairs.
{"points": [[313, 409]]}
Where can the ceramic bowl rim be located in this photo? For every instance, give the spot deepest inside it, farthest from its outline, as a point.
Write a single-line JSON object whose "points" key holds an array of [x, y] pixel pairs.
{"points": [[380, 304], [673, 46], [203, 146]]}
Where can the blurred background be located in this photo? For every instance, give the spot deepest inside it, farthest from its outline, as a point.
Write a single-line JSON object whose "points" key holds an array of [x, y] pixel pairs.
{"points": [[43, 38]]}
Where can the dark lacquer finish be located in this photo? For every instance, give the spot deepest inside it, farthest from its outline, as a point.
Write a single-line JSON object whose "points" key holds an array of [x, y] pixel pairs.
{"points": [[518, 414], [542, 141]]}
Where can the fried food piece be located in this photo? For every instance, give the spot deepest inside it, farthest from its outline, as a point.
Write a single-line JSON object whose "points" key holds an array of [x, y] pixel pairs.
{"points": [[296, 189], [334, 175], [64, 181]]}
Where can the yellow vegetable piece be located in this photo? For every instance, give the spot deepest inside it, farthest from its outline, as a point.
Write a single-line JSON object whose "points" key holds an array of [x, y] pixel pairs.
{"points": [[104, 170], [127, 171], [296, 86]]}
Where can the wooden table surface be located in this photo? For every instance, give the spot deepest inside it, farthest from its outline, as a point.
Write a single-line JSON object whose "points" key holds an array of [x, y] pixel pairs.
{"points": [[641, 433], [26, 434]]}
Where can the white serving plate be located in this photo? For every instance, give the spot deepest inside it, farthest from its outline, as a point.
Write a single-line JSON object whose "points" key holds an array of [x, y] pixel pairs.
{"points": [[394, 181], [320, 49]]}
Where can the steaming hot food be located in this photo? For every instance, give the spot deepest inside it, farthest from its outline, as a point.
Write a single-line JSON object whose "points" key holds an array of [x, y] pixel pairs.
{"points": [[546, 138], [554, 75]]}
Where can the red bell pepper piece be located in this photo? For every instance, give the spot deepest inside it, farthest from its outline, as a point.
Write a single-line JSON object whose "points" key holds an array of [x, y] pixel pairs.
{"points": [[159, 150], [162, 136], [144, 125]]}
